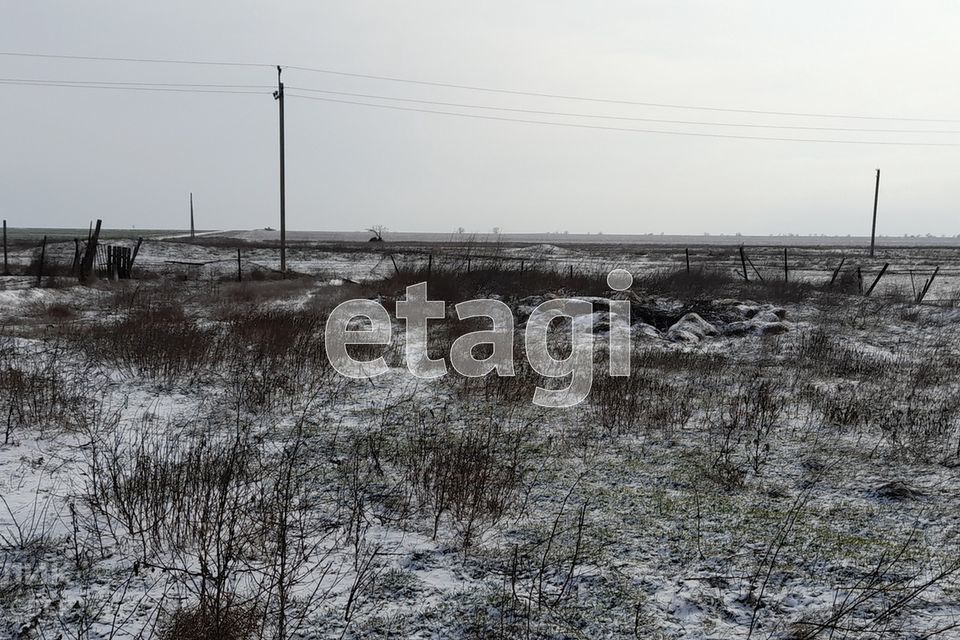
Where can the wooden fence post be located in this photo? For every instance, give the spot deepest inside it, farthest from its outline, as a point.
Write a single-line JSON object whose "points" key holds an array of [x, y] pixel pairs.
{"points": [[743, 261], [75, 269], [571, 272], [926, 287], [90, 256], [860, 279], [786, 266], [879, 275], [687, 252], [754, 267], [836, 271], [468, 265], [43, 254], [134, 254], [429, 265], [6, 266]]}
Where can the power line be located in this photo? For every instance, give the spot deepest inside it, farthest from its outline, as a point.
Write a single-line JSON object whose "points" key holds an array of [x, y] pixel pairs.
{"points": [[149, 60], [615, 101], [625, 129], [468, 87], [129, 88], [625, 118], [140, 84]]}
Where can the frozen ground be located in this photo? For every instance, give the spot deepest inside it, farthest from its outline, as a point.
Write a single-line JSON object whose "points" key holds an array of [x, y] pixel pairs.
{"points": [[783, 462]]}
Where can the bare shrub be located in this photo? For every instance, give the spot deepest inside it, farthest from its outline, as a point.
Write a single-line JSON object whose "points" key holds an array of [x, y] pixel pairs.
{"points": [[274, 354], [472, 473], [234, 622], [159, 343]]}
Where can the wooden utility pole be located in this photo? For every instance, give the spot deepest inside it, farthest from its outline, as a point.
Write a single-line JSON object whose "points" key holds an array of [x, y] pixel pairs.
{"points": [[873, 232], [278, 95], [193, 233]]}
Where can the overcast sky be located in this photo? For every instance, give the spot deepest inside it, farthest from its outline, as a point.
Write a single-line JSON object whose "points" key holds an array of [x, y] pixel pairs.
{"points": [[129, 157]]}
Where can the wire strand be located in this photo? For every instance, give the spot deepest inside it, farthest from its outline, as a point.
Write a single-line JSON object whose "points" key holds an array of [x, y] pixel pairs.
{"points": [[663, 105], [148, 60], [625, 129], [140, 84], [129, 88], [468, 87], [624, 118]]}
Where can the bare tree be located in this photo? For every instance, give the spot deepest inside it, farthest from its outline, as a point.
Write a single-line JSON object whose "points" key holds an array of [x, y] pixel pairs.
{"points": [[377, 230]]}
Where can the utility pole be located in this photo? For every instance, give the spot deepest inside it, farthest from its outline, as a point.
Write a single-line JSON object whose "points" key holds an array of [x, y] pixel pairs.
{"points": [[876, 196], [278, 95], [192, 232]]}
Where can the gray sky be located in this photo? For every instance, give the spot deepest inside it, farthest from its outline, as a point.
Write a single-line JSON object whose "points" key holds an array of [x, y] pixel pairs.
{"points": [[129, 157]]}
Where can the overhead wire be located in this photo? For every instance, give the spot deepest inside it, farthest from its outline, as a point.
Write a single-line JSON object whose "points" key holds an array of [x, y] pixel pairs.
{"points": [[137, 86], [611, 117], [469, 87], [625, 129]]}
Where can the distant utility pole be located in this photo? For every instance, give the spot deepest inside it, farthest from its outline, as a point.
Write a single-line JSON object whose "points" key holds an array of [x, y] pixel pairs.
{"points": [[278, 95], [193, 233], [876, 196]]}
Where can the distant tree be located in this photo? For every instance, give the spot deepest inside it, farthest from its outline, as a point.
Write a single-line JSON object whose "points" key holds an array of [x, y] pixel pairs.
{"points": [[461, 231], [377, 230], [496, 231]]}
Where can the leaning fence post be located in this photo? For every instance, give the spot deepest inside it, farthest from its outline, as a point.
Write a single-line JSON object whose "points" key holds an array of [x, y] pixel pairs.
{"points": [[86, 268], [926, 287], [836, 271], [743, 262], [133, 256], [43, 253], [879, 275], [754, 267]]}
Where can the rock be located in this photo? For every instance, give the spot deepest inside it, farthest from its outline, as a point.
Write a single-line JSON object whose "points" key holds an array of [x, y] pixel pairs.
{"points": [[898, 490], [746, 311], [691, 328], [740, 328], [774, 328], [647, 330], [755, 327], [682, 335], [766, 316]]}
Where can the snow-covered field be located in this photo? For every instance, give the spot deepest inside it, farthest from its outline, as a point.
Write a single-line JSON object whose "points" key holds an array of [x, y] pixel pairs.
{"points": [[178, 459]]}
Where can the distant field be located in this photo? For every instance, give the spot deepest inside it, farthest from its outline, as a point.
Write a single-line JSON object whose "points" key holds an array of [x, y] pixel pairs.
{"points": [[23, 235], [26, 235]]}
